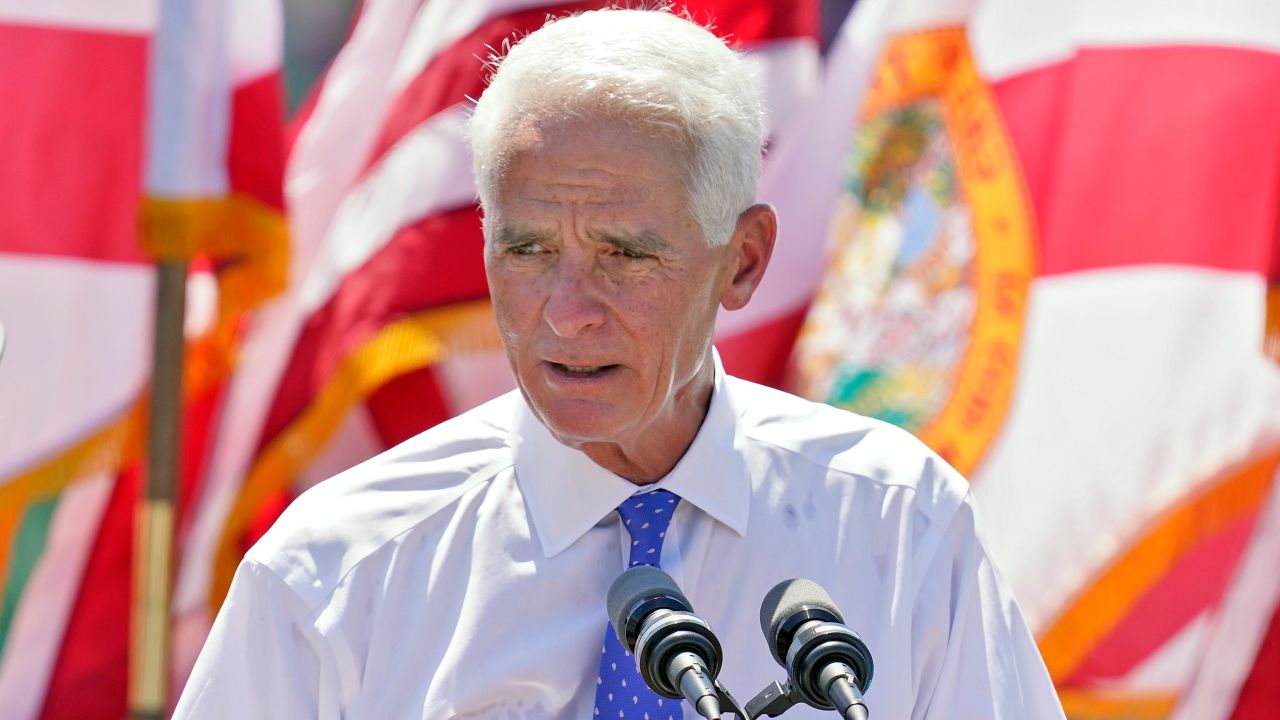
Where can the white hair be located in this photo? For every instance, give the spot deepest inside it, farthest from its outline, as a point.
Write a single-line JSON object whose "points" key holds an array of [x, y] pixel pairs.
{"points": [[648, 67]]}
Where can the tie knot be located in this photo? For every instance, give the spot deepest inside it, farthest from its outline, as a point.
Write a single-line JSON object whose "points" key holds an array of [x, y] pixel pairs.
{"points": [[646, 517]]}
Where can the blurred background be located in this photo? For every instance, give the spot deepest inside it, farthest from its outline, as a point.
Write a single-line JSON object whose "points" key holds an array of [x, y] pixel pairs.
{"points": [[240, 252]]}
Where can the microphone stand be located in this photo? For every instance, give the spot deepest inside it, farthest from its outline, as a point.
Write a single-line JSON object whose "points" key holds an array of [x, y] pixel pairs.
{"points": [[778, 698], [772, 701], [728, 703]]}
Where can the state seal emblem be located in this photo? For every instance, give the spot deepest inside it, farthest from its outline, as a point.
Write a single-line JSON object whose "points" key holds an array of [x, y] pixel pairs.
{"points": [[918, 318]]}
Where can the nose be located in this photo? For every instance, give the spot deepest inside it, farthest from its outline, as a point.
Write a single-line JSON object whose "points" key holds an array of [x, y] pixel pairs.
{"points": [[573, 302]]}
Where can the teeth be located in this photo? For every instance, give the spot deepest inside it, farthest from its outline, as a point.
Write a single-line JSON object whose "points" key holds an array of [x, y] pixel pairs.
{"points": [[582, 369]]}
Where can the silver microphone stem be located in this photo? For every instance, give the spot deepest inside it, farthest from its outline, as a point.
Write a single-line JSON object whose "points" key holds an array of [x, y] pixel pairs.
{"points": [[688, 674], [842, 689]]}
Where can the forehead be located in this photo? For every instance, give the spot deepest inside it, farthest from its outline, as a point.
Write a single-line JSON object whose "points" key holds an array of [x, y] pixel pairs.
{"points": [[591, 161]]}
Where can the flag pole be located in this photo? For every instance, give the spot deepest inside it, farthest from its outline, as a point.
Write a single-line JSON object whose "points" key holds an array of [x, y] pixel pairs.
{"points": [[154, 518], [184, 170]]}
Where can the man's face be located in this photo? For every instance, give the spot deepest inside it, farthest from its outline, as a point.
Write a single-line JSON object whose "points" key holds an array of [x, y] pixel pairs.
{"points": [[604, 290]]}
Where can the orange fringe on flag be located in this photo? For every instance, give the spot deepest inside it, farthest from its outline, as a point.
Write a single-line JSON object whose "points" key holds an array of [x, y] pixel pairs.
{"points": [[111, 447], [251, 242], [238, 228], [1081, 705], [1104, 603], [1271, 335]]}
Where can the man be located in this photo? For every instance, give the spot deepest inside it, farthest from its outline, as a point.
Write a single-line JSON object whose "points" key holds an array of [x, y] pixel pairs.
{"points": [[464, 573]]}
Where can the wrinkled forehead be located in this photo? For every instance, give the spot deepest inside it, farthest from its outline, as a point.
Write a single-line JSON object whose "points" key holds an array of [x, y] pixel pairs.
{"points": [[544, 130], [584, 154]]}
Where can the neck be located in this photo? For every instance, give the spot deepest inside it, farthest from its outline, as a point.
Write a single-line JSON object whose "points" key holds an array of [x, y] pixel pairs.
{"points": [[657, 451]]}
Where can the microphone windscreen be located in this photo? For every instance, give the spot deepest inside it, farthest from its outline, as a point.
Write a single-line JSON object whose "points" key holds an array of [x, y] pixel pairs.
{"points": [[636, 584], [788, 597]]}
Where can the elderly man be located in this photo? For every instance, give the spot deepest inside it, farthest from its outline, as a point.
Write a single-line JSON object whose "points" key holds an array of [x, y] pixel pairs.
{"points": [[464, 573]]}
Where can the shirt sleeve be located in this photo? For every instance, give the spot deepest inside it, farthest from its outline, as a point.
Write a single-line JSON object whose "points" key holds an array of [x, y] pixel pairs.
{"points": [[263, 657], [978, 659]]}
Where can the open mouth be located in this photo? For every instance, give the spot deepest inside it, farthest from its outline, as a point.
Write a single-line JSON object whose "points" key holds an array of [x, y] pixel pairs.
{"points": [[581, 372]]}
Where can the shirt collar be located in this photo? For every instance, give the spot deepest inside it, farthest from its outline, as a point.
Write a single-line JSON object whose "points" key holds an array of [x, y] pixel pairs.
{"points": [[567, 494]]}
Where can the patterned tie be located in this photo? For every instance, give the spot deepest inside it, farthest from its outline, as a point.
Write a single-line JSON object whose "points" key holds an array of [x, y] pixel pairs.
{"points": [[620, 690]]}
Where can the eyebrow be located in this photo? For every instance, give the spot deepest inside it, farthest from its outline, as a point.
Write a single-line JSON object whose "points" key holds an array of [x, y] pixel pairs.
{"points": [[507, 236], [646, 242]]}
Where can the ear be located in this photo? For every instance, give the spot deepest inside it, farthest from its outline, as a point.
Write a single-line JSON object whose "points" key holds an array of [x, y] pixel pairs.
{"points": [[750, 249]]}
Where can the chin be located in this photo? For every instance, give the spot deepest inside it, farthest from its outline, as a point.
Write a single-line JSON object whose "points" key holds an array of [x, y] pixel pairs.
{"points": [[574, 422]]}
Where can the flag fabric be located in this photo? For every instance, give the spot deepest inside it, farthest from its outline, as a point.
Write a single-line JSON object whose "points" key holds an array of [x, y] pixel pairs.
{"points": [[77, 247], [1051, 230], [76, 299], [387, 329]]}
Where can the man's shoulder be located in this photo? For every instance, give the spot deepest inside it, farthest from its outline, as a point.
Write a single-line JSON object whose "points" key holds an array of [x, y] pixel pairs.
{"points": [[858, 448], [336, 524]]}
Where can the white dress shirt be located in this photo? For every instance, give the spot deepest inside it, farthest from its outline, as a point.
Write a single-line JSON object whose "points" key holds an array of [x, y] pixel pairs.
{"points": [[463, 573]]}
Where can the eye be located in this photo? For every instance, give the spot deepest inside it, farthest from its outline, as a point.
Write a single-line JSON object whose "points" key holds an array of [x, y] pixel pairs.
{"points": [[527, 248], [630, 253]]}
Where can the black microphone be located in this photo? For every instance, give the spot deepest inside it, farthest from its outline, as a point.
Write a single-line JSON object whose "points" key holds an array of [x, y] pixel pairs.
{"points": [[827, 663], [677, 654]]}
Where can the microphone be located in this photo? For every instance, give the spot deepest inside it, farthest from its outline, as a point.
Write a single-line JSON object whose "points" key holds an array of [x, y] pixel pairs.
{"points": [[828, 665], [677, 654]]}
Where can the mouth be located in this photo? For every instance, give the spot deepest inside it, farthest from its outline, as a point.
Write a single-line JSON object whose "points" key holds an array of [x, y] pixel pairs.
{"points": [[581, 372]]}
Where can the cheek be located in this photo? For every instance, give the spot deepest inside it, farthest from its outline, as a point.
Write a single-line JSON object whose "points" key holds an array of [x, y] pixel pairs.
{"points": [[512, 297], [693, 324], [647, 314], [507, 317], [512, 318], [666, 321]]}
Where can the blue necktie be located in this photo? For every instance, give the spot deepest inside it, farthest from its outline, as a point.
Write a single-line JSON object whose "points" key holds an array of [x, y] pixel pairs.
{"points": [[620, 690]]}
